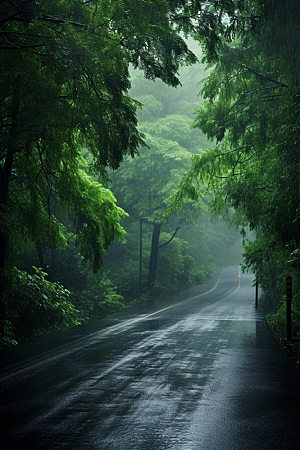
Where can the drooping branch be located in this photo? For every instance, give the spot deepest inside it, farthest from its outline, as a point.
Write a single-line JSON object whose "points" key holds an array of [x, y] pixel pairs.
{"points": [[265, 77], [66, 260], [230, 151], [52, 19], [174, 234], [45, 18], [255, 91]]}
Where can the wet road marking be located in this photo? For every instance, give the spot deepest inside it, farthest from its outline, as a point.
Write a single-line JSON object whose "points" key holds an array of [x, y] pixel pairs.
{"points": [[110, 330], [213, 304], [157, 312]]}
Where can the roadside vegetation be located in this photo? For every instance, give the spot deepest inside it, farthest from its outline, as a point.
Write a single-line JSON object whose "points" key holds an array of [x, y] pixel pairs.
{"points": [[251, 112], [118, 179]]}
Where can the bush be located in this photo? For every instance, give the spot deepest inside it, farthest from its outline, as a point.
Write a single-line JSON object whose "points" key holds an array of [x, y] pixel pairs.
{"points": [[33, 306], [99, 299]]}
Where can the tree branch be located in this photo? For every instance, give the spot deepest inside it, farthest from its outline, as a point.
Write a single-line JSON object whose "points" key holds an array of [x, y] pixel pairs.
{"points": [[254, 91], [66, 260], [52, 19], [45, 18], [19, 47], [266, 78], [231, 151], [174, 234]]}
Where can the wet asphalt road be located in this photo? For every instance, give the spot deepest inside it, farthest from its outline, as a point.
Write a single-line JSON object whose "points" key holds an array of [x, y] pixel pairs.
{"points": [[205, 374]]}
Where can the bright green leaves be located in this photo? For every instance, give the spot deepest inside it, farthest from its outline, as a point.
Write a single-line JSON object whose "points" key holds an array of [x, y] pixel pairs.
{"points": [[143, 184], [76, 57], [96, 219], [64, 85], [251, 111], [45, 187], [34, 305]]}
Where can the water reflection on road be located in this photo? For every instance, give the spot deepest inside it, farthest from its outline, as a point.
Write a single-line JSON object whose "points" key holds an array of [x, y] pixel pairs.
{"points": [[199, 375]]}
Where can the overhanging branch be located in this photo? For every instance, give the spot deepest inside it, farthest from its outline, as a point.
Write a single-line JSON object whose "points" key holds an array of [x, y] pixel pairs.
{"points": [[166, 243], [266, 78], [66, 260]]}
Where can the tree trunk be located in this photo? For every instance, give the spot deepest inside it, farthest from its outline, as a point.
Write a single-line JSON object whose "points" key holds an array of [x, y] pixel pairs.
{"points": [[5, 176], [40, 255], [154, 252], [53, 265]]}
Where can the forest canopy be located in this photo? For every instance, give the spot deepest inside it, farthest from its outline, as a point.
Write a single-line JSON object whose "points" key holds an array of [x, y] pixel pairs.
{"points": [[68, 119], [251, 111], [64, 88]]}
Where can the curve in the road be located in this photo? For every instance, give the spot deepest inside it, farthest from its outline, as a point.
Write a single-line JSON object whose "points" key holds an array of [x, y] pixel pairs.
{"points": [[223, 298], [110, 330]]}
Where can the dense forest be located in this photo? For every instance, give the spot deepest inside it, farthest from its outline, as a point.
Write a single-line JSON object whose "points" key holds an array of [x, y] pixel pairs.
{"points": [[118, 178], [251, 110]]}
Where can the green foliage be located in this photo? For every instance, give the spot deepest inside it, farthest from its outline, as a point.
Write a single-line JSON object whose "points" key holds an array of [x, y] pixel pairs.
{"points": [[177, 269], [64, 87], [96, 220], [37, 211], [142, 186], [34, 306], [277, 320], [64, 91], [268, 260], [251, 113], [98, 299], [154, 175]]}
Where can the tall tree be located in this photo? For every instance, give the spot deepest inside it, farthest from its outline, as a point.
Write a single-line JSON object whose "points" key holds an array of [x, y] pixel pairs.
{"points": [[64, 82], [251, 110], [142, 185], [64, 86]]}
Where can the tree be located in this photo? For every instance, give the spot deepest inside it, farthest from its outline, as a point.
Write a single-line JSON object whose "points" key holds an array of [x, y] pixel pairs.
{"points": [[251, 111], [143, 184], [65, 80], [64, 87], [34, 305]]}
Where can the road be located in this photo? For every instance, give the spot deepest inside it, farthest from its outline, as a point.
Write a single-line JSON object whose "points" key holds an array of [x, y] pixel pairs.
{"points": [[198, 371]]}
